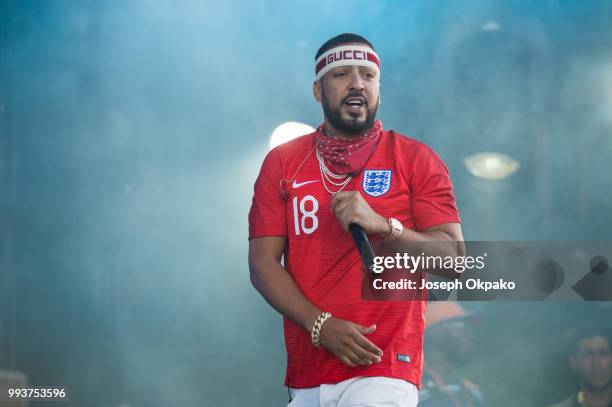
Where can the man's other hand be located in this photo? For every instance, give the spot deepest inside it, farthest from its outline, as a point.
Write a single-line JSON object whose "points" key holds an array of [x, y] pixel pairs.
{"points": [[347, 341]]}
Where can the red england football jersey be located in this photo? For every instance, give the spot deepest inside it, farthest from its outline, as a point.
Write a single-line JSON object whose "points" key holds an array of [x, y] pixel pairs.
{"points": [[403, 179]]}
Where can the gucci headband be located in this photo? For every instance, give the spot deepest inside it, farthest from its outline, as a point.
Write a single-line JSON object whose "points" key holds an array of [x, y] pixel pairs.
{"points": [[344, 55]]}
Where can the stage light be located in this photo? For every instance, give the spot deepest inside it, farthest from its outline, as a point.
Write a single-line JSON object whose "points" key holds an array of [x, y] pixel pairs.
{"points": [[288, 131], [491, 25], [492, 166]]}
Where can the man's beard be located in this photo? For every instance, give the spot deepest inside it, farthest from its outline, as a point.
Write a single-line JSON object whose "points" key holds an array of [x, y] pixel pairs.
{"points": [[588, 383], [351, 126]]}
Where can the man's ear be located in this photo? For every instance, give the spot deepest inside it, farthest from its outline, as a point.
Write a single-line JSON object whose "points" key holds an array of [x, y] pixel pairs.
{"points": [[316, 90]]}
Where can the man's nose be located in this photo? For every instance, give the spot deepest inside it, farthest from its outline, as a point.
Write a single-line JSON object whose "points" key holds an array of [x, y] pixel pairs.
{"points": [[356, 80]]}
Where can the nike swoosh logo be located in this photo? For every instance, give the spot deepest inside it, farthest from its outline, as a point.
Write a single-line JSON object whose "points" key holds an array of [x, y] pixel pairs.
{"points": [[299, 184]]}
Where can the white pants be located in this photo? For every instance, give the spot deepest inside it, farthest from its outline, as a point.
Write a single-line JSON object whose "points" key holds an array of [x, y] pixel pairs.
{"points": [[357, 392]]}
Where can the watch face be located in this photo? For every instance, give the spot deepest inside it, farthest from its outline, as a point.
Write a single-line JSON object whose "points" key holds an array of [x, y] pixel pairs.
{"points": [[396, 224], [396, 229]]}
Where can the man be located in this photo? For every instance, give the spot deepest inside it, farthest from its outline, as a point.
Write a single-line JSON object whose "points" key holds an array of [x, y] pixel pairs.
{"points": [[342, 350], [448, 346], [591, 360]]}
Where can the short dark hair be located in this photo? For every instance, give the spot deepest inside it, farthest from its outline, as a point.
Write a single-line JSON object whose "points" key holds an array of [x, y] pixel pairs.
{"points": [[342, 39], [586, 330]]}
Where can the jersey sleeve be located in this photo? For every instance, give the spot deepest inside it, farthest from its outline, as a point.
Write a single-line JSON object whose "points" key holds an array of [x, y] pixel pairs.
{"points": [[433, 200], [267, 216]]}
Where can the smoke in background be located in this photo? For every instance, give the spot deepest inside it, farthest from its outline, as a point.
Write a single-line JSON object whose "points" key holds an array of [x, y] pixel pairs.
{"points": [[131, 133]]}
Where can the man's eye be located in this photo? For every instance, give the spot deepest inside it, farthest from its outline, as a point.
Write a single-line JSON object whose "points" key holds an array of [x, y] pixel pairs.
{"points": [[339, 74]]}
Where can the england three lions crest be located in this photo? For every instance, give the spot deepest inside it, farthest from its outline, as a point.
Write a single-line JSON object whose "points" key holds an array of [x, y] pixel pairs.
{"points": [[376, 182]]}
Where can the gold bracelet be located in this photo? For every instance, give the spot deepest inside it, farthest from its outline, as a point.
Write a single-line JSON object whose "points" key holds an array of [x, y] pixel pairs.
{"points": [[316, 329]]}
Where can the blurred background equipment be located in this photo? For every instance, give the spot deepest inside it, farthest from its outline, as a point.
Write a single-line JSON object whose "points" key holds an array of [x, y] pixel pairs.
{"points": [[12, 379], [449, 347]]}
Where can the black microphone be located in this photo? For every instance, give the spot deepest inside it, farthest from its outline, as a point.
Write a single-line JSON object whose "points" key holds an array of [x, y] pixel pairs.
{"points": [[363, 245]]}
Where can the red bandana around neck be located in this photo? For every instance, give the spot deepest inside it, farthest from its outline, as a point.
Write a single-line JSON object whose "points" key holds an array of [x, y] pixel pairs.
{"points": [[348, 156]]}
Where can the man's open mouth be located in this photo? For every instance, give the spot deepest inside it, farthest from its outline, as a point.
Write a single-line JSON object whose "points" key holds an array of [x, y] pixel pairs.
{"points": [[355, 104]]}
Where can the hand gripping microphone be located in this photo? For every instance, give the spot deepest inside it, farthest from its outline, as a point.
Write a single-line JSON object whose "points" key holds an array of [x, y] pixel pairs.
{"points": [[363, 245]]}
